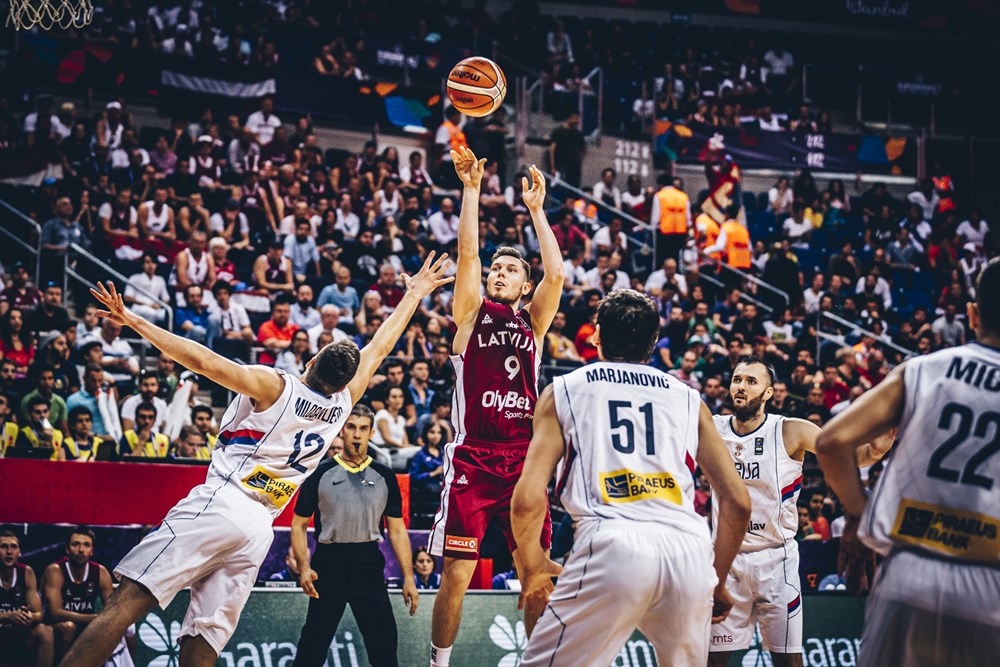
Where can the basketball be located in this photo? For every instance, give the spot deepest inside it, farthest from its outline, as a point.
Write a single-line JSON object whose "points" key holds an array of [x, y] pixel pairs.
{"points": [[476, 86]]}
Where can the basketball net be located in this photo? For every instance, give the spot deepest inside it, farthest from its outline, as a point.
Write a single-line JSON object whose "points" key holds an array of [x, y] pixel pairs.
{"points": [[49, 14]]}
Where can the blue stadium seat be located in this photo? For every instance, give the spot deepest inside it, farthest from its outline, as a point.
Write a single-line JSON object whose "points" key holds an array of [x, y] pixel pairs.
{"points": [[917, 299], [749, 201], [923, 281]]}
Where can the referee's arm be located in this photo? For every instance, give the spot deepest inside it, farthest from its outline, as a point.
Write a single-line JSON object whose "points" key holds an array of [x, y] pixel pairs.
{"points": [[400, 541], [305, 506]]}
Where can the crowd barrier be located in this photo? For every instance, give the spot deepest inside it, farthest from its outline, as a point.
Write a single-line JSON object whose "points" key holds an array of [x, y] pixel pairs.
{"points": [[492, 633]]}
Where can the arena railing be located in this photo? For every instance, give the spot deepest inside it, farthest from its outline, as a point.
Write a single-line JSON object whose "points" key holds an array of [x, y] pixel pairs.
{"points": [[854, 328], [748, 277], [31, 229]]}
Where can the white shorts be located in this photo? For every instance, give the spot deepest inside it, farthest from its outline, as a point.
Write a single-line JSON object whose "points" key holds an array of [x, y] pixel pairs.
{"points": [[765, 589], [929, 612], [213, 541], [621, 576]]}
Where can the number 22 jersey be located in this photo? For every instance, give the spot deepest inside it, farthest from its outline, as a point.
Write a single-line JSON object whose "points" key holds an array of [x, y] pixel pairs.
{"points": [[268, 454]]}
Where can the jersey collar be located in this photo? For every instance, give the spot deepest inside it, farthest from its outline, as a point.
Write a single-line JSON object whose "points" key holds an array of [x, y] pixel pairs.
{"points": [[351, 468]]}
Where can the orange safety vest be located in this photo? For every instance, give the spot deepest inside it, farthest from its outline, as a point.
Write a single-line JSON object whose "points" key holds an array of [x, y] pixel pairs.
{"points": [[711, 234], [737, 245], [587, 211], [456, 136], [674, 208]]}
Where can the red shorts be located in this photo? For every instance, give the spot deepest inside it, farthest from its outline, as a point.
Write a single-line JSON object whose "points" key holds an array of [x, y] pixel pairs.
{"points": [[479, 481]]}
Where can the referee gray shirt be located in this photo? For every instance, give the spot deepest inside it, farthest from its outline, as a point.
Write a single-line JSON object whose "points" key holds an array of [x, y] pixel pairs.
{"points": [[348, 503]]}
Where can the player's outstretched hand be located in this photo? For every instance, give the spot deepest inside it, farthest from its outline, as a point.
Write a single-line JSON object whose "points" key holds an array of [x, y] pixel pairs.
{"points": [[430, 276], [114, 305], [536, 583], [722, 603], [306, 579], [469, 169], [855, 561], [410, 595], [534, 196]]}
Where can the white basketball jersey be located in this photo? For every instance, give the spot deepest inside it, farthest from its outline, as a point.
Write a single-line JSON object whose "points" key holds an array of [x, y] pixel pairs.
{"points": [[940, 491], [268, 454], [773, 479], [631, 436]]}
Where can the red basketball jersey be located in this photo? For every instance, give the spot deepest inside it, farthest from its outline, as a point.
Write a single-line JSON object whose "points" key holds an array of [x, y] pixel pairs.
{"points": [[496, 383]]}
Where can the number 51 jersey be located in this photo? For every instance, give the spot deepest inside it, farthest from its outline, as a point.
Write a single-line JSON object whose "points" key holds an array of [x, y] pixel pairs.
{"points": [[631, 435], [268, 454], [940, 491]]}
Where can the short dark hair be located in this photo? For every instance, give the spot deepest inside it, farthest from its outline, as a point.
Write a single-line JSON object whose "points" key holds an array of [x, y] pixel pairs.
{"points": [[37, 400], [145, 406], [629, 326], [81, 530], [77, 411], [508, 251], [753, 359], [221, 285], [200, 408], [9, 534], [335, 365], [989, 308], [362, 410]]}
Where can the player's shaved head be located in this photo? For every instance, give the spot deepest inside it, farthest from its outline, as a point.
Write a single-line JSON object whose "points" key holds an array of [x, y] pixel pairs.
{"points": [[628, 324]]}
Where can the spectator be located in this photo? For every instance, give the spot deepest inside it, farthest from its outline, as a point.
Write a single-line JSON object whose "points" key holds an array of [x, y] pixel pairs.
{"points": [[812, 295], [59, 232], [767, 121], [449, 137], [780, 197], [19, 294], [348, 222], [143, 439], [947, 328], [611, 237], [558, 347], [566, 150], [558, 43], [671, 215], [441, 372], [193, 266], [834, 389], [974, 229], [926, 198], [193, 319], [38, 432], [797, 229], [49, 314], [293, 360], [156, 219], [45, 389], [805, 531], [202, 419], [444, 224], [328, 324], [713, 393], [424, 567], [15, 341], [421, 395], [667, 275], [685, 372], [272, 271], [342, 296], [388, 289], [53, 351], [80, 443], [389, 433], [302, 313], [230, 324], [149, 387], [414, 175], [162, 157], [146, 292], [276, 333], [903, 254], [263, 122], [86, 397], [781, 403], [190, 444], [425, 467], [606, 191], [874, 285], [817, 521]]}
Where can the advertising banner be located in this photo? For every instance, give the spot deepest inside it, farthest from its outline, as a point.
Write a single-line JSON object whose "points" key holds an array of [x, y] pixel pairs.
{"points": [[492, 634]]}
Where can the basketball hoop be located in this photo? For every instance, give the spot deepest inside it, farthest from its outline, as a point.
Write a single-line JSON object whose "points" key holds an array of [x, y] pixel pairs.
{"points": [[49, 14]]}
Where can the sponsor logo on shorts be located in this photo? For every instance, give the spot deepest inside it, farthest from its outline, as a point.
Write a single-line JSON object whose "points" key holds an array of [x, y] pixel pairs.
{"points": [[958, 533], [466, 544], [626, 486], [462, 480], [262, 481]]}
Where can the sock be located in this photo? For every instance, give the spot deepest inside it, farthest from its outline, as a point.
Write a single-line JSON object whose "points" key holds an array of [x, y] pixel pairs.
{"points": [[440, 656]]}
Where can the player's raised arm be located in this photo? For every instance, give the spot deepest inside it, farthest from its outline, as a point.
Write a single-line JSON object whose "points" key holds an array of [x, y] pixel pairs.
{"points": [[734, 505], [545, 302], [260, 383], [527, 506], [874, 413], [429, 278], [469, 275]]}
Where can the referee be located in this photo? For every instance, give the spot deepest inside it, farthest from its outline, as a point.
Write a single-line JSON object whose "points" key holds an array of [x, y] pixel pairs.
{"points": [[348, 495]]}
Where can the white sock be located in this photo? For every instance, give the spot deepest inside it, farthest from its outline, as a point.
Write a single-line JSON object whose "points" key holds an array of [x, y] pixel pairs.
{"points": [[440, 656]]}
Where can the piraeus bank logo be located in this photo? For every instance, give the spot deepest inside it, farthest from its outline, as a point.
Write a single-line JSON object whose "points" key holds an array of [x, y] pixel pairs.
{"points": [[626, 486], [261, 481], [957, 533]]}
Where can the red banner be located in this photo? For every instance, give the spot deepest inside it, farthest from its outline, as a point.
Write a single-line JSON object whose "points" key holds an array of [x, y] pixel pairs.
{"points": [[107, 494]]}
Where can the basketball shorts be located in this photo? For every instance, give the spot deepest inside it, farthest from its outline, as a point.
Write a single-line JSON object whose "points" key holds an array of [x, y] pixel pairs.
{"points": [[213, 541], [928, 612], [621, 576], [478, 484], [765, 589]]}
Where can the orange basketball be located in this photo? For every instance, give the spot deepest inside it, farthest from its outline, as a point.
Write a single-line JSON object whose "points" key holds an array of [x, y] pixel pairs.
{"points": [[476, 86]]}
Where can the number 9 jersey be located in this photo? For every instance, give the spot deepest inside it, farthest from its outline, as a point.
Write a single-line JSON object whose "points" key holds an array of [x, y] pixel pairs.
{"points": [[940, 492], [268, 454], [631, 436]]}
